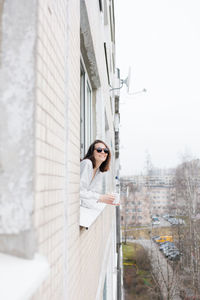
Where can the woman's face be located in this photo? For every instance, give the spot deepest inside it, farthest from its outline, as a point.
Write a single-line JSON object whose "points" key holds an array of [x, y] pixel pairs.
{"points": [[100, 157]]}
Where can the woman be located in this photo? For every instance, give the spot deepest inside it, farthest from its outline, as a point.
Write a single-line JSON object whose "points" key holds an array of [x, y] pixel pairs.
{"points": [[93, 165]]}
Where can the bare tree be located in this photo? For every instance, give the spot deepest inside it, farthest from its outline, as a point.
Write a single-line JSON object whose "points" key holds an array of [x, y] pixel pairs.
{"points": [[166, 275], [187, 183]]}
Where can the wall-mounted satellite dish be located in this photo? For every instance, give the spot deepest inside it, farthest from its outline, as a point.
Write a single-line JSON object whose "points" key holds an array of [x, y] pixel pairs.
{"points": [[127, 82]]}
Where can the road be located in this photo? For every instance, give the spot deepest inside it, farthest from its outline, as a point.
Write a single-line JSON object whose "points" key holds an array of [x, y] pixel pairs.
{"points": [[163, 223], [165, 275]]}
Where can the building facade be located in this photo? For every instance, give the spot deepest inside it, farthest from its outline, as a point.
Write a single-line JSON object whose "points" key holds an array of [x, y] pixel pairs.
{"points": [[57, 69], [147, 196], [135, 205]]}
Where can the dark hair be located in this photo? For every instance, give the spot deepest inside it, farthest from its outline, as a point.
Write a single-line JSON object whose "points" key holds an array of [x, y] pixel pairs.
{"points": [[90, 155]]}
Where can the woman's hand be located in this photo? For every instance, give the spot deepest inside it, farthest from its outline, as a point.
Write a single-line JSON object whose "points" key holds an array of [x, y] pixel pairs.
{"points": [[108, 199]]}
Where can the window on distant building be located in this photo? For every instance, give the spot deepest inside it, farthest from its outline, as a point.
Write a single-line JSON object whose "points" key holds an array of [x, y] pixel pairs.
{"points": [[86, 134]]}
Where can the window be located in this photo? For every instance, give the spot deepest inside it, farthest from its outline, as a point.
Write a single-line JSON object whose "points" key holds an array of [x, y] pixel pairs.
{"points": [[105, 289], [86, 115], [106, 59], [100, 5]]}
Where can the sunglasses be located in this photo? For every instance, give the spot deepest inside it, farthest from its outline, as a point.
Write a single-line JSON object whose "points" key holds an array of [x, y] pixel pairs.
{"points": [[99, 150]]}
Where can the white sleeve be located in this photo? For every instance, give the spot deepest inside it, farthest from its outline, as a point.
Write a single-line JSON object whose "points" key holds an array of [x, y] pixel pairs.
{"points": [[88, 197]]}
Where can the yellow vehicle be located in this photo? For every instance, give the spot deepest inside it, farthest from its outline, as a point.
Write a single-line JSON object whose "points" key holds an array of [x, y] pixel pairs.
{"points": [[164, 238]]}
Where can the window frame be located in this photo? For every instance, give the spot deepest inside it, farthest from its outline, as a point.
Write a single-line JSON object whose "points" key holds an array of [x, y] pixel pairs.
{"points": [[86, 110]]}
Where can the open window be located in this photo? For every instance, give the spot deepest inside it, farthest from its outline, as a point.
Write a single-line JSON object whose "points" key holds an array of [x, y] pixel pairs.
{"points": [[87, 128]]}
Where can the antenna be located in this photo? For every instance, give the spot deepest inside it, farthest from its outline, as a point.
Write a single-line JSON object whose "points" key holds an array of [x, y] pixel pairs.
{"points": [[138, 92], [127, 80]]}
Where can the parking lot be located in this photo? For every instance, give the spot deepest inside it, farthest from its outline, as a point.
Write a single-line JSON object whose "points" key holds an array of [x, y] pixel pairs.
{"points": [[166, 221], [167, 247]]}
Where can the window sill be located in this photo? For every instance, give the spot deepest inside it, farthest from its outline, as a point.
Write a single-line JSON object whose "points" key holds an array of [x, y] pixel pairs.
{"points": [[89, 215], [19, 277]]}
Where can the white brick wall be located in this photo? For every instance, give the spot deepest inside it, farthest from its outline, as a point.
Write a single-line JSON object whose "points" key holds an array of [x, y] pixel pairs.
{"points": [[50, 142]]}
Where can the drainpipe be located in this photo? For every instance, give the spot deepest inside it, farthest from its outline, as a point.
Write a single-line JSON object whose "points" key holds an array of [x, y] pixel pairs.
{"points": [[119, 255]]}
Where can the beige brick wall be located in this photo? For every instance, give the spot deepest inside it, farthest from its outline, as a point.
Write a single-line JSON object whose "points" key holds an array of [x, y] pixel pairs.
{"points": [[93, 247], [73, 146], [50, 142], [86, 254], [85, 248]]}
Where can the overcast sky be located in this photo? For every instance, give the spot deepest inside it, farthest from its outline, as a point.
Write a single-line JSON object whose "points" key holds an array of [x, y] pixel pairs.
{"points": [[160, 40]]}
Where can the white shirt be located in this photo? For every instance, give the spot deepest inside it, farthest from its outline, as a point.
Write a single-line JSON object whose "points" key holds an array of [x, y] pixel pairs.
{"points": [[90, 189]]}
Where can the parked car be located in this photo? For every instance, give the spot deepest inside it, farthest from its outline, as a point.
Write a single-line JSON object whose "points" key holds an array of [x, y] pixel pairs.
{"points": [[155, 222], [181, 222], [165, 217], [166, 245], [174, 256], [155, 237], [175, 221], [171, 251], [169, 248], [164, 238]]}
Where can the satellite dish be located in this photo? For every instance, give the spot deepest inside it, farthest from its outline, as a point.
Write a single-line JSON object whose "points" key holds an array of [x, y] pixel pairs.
{"points": [[127, 80]]}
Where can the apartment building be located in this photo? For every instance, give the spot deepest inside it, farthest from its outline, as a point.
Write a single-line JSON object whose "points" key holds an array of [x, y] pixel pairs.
{"points": [[160, 199], [57, 69], [135, 204], [144, 196]]}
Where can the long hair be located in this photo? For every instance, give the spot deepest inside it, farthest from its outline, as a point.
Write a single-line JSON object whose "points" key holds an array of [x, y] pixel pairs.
{"points": [[90, 155]]}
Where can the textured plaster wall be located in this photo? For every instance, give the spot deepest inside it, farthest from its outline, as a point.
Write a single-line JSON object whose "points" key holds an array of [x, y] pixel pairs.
{"points": [[17, 82]]}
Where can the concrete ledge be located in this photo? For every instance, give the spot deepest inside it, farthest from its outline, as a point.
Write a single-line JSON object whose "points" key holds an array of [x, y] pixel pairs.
{"points": [[21, 245], [20, 278], [89, 215]]}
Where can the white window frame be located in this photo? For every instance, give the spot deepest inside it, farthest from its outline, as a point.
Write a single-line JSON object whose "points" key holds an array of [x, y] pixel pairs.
{"points": [[86, 111]]}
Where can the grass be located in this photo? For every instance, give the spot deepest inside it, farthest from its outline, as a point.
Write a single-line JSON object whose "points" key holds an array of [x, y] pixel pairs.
{"points": [[129, 251], [146, 233], [138, 282]]}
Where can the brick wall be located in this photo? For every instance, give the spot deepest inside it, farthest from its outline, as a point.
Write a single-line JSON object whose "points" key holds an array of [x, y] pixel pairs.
{"points": [[75, 255], [50, 142], [73, 150], [85, 248]]}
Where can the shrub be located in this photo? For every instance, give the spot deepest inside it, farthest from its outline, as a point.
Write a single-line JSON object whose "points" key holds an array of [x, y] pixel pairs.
{"points": [[142, 260], [140, 289]]}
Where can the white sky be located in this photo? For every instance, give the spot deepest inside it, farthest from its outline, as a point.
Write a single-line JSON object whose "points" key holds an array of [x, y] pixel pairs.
{"points": [[160, 40]]}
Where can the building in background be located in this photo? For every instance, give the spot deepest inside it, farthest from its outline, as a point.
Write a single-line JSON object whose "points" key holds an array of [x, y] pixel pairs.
{"points": [[57, 69], [144, 196], [135, 205]]}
